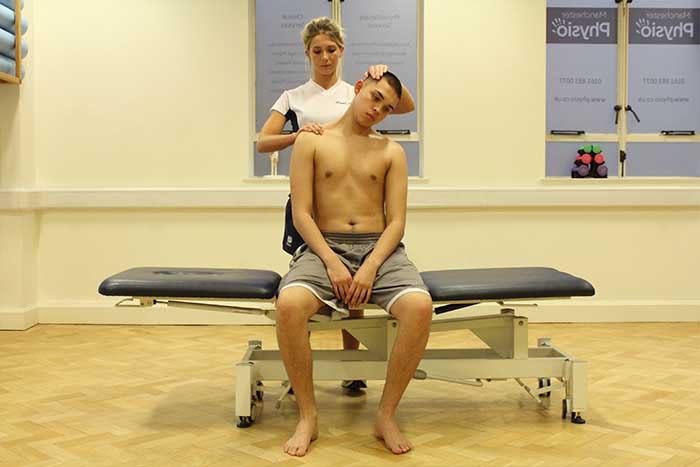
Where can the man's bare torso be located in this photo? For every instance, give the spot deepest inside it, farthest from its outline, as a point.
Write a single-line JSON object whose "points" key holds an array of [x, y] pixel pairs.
{"points": [[349, 181]]}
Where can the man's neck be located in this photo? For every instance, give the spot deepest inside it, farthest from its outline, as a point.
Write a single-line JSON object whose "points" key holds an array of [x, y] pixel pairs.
{"points": [[326, 82], [349, 127]]}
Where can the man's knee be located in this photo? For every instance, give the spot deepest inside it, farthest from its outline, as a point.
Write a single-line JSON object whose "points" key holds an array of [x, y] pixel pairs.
{"points": [[414, 308], [295, 306]]}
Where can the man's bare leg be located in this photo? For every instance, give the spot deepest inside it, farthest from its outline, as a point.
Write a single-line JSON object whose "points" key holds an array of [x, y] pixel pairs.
{"points": [[414, 312], [295, 306]]}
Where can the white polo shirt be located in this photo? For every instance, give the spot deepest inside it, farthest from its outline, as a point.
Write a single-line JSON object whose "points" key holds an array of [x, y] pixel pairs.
{"points": [[311, 103]]}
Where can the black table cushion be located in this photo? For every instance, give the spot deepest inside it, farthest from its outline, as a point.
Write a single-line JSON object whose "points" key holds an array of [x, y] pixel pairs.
{"points": [[192, 283], [504, 283]]}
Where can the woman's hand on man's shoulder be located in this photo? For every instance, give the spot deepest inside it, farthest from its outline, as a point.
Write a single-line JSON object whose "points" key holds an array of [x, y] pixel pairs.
{"points": [[312, 127]]}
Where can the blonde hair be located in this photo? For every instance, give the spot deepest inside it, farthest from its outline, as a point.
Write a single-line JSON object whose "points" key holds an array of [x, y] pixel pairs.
{"points": [[322, 25]]}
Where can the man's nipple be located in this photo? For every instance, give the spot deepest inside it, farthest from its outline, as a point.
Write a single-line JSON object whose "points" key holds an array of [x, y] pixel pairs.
{"points": [[328, 174]]}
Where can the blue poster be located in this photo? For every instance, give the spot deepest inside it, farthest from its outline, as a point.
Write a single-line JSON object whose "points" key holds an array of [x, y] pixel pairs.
{"points": [[279, 52], [581, 65], [664, 66], [383, 32]]}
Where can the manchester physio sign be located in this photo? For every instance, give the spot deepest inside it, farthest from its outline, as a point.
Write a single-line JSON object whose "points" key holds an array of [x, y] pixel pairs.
{"points": [[581, 66], [664, 66], [582, 25], [665, 26]]}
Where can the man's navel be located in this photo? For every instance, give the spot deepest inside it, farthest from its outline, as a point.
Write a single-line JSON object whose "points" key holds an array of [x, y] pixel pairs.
{"points": [[328, 174]]}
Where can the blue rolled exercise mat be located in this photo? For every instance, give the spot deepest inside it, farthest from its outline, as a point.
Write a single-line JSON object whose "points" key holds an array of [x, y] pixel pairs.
{"points": [[7, 20], [7, 44], [11, 4], [7, 65]]}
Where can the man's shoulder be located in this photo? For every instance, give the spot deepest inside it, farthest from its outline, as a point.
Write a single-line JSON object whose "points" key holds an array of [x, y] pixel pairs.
{"points": [[390, 146], [306, 139]]}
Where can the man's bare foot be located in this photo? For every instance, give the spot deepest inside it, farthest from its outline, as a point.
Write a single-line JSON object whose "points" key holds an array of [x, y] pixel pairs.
{"points": [[387, 429], [298, 444]]}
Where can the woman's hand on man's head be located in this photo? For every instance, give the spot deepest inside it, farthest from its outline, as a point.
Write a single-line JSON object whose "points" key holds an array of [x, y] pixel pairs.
{"points": [[376, 71]]}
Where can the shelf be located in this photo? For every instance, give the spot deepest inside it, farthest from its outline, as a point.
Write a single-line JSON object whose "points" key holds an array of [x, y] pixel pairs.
{"points": [[5, 78]]}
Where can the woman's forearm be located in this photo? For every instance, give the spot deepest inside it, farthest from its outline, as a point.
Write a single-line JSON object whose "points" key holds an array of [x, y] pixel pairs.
{"points": [[271, 143], [406, 103]]}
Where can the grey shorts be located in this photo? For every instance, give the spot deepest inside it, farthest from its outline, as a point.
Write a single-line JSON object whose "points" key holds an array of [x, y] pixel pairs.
{"points": [[396, 277]]}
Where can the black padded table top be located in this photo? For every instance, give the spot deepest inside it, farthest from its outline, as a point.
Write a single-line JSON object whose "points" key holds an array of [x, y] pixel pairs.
{"points": [[192, 283], [447, 285], [504, 283]]}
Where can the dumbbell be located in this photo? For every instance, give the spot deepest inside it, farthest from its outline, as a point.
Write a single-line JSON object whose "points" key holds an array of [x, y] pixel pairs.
{"points": [[583, 159], [600, 171], [598, 163], [585, 149], [581, 171]]}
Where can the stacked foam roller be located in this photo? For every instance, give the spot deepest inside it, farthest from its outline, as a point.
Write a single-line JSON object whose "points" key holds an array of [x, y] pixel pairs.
{"points": [[8, 36], [589, 163]]}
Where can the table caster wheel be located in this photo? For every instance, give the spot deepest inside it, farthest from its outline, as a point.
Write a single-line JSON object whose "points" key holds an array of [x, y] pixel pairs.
{"points": [[248, 420], [244, 422]]}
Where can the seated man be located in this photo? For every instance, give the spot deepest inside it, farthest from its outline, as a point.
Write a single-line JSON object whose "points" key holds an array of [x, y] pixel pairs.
{"points": [[349, 190]]}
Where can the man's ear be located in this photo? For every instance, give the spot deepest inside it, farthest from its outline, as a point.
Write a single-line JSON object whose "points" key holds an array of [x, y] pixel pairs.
{"points": [[358, 86]]}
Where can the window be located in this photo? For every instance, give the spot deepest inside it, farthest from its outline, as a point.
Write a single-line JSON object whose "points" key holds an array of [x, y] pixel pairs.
{"points": [[625, 77], [375, 32]]}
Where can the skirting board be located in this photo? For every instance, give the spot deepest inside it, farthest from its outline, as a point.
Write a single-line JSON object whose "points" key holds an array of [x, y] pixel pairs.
{"points": [[18, 319], [575, 311]]}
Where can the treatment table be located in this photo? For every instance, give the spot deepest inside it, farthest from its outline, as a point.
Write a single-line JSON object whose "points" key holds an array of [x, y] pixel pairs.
{"points": [[505, 334]]}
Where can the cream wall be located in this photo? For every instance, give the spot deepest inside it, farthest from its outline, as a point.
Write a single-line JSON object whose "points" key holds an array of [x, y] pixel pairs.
{"points": [[139, 154], [154, 94], [484, 92]]}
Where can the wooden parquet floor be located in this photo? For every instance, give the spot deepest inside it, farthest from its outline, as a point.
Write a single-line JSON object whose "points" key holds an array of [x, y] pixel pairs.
{"points": [[164, 396]]}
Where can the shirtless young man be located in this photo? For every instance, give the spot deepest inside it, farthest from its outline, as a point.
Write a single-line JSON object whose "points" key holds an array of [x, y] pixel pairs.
{"points": [[349, 190]]}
